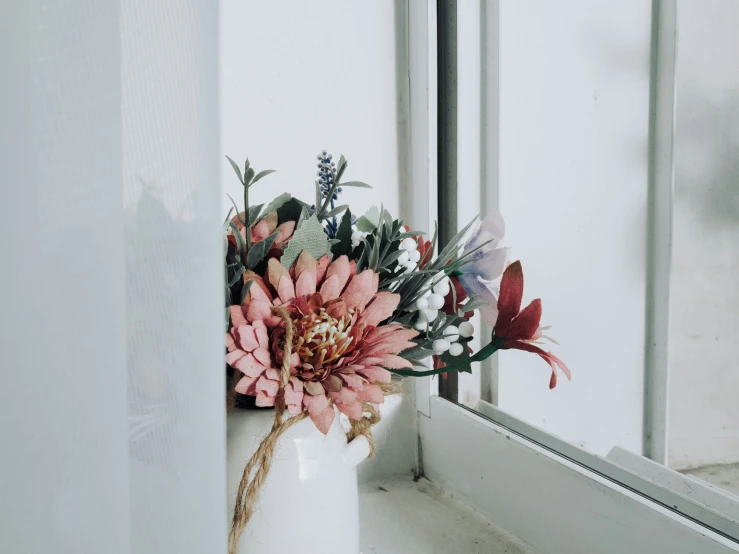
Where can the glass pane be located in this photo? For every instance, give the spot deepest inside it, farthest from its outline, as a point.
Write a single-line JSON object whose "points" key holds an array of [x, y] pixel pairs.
{"points": [[573, 184], [704, 312]]}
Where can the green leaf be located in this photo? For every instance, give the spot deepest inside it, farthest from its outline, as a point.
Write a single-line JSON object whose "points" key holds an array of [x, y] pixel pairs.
{"points": [[451, 248], [304, 214], [318, 196], [245, 290], [236, 169], [344, 234], [277, 203], [260, 175], [238, 214], [369, 221], [463, 361], [309, 236], [341, 168], [336, 211], [237, 275], [358, 184], [290, 210], [258, 251], [411, 234], [248, 176], [228, 216], [254, 213], [237, 236]]}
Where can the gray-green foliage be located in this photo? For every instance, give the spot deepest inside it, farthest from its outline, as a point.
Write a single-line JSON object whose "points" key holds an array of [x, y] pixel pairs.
{"points": [[309, 236]]}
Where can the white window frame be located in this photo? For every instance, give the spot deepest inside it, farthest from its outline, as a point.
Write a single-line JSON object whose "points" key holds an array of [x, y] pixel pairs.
{"points": [[553, 495]]}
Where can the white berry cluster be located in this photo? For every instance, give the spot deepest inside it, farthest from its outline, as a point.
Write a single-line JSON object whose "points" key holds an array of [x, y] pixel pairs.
{"points": [[451, 335], [431, 302], [357, 236], [409, 256]]}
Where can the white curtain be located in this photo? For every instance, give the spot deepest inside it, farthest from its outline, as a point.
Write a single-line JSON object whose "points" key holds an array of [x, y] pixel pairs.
{"points": [[111, 333]]}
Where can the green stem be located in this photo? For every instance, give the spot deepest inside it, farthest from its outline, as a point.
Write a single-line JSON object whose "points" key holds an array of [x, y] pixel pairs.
{"points": [[246, 218], [484, 353]]}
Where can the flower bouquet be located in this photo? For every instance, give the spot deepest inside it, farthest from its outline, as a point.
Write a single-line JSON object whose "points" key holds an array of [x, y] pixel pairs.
{"points": [[328, 309]]}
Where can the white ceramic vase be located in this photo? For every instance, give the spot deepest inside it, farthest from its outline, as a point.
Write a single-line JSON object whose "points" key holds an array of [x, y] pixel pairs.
{"points": [[308, 504]]}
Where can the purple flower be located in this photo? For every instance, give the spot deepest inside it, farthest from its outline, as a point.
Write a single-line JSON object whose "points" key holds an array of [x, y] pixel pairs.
{"points": [[485, 264]]}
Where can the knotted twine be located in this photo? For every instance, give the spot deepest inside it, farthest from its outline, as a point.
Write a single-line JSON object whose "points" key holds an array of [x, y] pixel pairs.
{"points": [[248, 492]]}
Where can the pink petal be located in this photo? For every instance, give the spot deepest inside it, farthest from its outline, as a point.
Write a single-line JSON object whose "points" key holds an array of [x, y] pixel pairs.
{"points": [[382, 307], [249, 365], [371, 393], [230, 344], [268, 387], [315, 404], [331, 288], [233, 357], [376, 374], [237, 316], [260, 231], [286, 289], [263, 356], [260, 330], [275, 272], [306, 283], [305, 262], [264, 400], [285, 231], [360, 289], [246, 385], [324, 419], [246, 336], [321, 267], [340, 269]]}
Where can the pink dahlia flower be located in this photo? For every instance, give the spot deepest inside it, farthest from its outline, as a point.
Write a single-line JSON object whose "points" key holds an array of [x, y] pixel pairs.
{"points": [[341, 350], [264, 228]]}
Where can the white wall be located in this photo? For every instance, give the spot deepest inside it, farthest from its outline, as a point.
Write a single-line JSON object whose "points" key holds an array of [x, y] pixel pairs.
{"points": [[298, 77], [574, 93], [704, 324]]}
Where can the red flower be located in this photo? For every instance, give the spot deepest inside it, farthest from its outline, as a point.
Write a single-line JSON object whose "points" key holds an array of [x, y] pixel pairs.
{"points": [[519, 329]]}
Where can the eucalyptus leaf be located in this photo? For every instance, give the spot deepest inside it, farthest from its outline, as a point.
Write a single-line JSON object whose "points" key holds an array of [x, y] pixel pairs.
{"points": [[228, 216], [248, 176], [358, 184], [411, 234], [318, 196], [236, 169], [254, 213], [245, 290], [341, 167], [258, 251], [238, 214], [237, 275], [336, 211], [261, 174], [451, 248], [237, 235]]}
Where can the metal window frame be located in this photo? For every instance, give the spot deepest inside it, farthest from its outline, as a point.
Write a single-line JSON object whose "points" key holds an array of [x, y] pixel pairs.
{"points": [[523, 477]]}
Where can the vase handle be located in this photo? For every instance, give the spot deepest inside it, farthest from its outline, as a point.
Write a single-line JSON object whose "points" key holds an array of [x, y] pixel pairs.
{"points": [[356, 451]]}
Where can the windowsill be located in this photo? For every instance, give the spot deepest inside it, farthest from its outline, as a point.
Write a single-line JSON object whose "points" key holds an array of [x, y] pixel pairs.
{"points": [[402, 517]]}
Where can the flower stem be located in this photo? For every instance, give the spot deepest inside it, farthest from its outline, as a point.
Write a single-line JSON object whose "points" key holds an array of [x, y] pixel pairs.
{"points": [[482, 354]]}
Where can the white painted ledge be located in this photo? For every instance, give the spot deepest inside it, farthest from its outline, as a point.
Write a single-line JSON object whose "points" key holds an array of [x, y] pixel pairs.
{"points": [[402, 517]]}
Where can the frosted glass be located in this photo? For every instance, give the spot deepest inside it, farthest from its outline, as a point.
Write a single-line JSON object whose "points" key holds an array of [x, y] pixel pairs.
{"points": [[111, 334]]}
